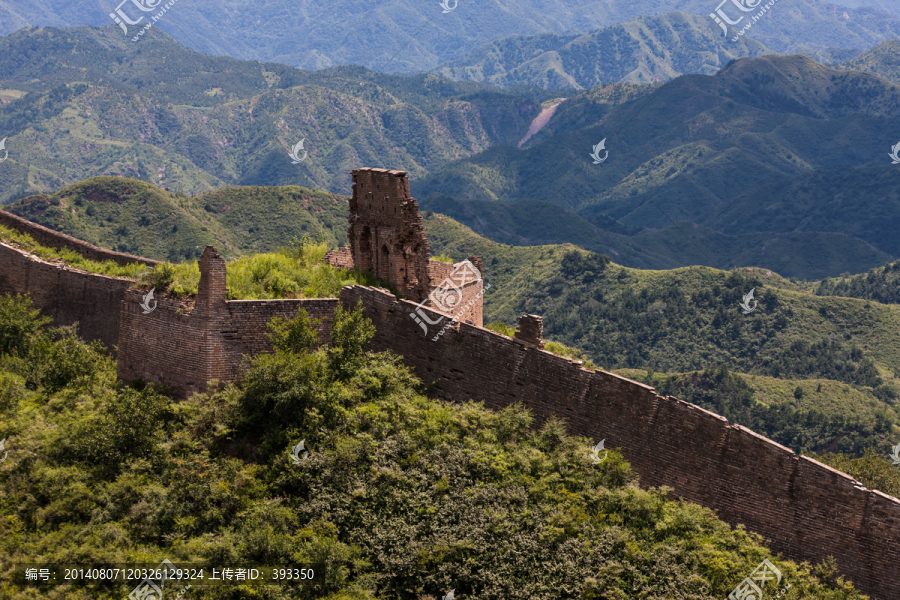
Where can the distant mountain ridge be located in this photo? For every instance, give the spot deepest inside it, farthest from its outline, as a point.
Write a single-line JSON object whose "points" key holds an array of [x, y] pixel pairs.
{"points": [[643, 50], [883, 60], [731, 153], [407, 36]]}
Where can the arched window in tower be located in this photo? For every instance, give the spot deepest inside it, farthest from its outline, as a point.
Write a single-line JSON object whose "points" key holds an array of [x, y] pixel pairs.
{"points": [[384, 264], [409, 268], [365, 250]]}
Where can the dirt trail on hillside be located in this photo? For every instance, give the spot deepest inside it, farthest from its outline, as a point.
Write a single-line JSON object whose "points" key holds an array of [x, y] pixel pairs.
{"points": [[539, 121]]}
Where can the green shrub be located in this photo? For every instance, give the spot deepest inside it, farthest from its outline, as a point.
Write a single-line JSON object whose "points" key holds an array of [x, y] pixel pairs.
{"points": [[128, 426], [160, 277], [502, 328], [294, 335], [573, 353], [12, 391], [67, 360], [445, 258], [350, 332], [19, 323]]}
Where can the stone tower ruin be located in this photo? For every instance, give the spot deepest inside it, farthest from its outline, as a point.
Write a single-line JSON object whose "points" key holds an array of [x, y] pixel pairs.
{"points": [[386, 232]]}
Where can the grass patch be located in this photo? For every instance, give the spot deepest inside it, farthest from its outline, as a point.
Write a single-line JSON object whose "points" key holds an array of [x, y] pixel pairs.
{"points": [[25, 242]]}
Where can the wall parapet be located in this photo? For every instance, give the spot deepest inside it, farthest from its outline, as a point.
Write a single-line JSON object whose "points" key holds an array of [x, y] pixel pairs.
{"points": [[54, 239], [65, 294], [804, 509]]}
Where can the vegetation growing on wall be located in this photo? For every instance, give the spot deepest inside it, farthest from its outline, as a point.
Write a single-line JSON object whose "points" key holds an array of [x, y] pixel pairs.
{"points": [[25, 242], [295, 271]]}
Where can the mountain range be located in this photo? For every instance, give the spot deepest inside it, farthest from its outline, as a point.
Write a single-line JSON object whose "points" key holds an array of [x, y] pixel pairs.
{"points": [[642, 50], [193, 122], [777, 144], [406, 36], [692, 169]]}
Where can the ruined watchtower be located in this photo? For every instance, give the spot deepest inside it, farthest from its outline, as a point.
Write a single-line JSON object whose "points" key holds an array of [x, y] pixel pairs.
{"points": [[386, 232], [387, 237]]}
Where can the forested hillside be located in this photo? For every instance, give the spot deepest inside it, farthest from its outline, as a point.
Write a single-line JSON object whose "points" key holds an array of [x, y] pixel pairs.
{"points": [[86, 103], [883, 60], [736, 159], [140, 218]]}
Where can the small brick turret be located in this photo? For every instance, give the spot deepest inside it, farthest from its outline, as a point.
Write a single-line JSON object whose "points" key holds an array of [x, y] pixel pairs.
{"points": [[213, 277], [531, 330]]}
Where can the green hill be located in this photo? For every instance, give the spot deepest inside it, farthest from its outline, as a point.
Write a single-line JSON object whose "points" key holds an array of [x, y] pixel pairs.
{"points": [[133, 216], [881, 285], [643, 50], [681, 319], [883, 60], [809, 416]]}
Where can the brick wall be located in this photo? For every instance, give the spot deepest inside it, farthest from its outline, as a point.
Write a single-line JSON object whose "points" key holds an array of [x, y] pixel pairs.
{"points": [[66, 295], [54, 239], [342, 258], [805, 509], [466, 298], [209, 339]]}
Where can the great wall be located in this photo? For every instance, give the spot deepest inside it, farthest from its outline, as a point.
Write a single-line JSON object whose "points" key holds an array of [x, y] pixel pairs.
{"points": [[805, 510]]}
